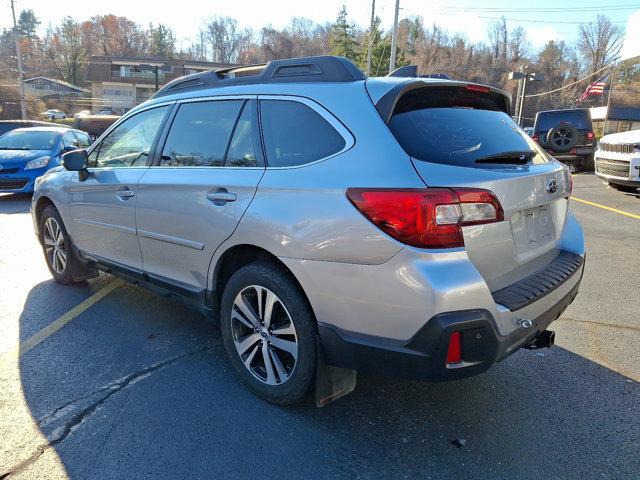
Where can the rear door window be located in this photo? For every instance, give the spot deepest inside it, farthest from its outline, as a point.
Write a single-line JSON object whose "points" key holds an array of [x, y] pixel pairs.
{"points": [[548, 120], [295, 134], [200, 133], [440, 127]]}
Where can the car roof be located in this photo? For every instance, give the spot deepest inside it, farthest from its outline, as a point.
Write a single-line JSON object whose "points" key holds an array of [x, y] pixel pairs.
{"points": [[561, 110], [37, 122], [44, 129]]}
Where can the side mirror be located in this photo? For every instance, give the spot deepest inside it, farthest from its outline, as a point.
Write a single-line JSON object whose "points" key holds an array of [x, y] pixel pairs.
{"points": [[75, 161]]}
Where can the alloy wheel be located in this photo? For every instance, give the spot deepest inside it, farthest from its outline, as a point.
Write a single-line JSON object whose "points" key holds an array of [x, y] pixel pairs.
{"points": [[54, 245], [264, 335]]}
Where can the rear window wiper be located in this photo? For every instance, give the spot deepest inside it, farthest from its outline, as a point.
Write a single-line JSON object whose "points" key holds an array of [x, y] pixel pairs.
{"points": [[519, 157]]}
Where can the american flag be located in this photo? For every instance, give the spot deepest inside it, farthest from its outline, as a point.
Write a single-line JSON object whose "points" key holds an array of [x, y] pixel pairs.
{"points": [[595, 88]]}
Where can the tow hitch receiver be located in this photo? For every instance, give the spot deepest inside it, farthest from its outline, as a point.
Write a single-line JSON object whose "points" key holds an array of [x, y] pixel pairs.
{"points": [[545, 339]]}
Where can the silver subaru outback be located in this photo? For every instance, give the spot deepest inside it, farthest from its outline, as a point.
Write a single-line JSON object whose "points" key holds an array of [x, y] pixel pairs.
{"points": [[331, 222]]}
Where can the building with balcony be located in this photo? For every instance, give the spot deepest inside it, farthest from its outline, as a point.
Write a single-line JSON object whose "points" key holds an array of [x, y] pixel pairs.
{"points": [[120, 83]]}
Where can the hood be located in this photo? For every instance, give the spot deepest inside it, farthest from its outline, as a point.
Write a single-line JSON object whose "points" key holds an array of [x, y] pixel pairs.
{"points": [[22, 156], [632, 136]]}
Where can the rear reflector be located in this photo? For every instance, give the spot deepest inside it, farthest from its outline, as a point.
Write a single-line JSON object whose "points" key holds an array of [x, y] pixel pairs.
{"points": [[591, 136], [427, 218], [454, 352]]}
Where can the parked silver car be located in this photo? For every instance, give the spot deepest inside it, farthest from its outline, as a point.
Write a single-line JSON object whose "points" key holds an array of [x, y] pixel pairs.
{"points": [[403, 226]]}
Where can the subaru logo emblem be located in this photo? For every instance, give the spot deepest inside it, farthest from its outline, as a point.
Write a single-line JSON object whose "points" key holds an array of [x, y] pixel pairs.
{"points": [[552, 186]]}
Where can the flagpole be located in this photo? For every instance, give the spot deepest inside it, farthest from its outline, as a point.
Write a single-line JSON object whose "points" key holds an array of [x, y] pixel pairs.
{"points": [[606, 113]]}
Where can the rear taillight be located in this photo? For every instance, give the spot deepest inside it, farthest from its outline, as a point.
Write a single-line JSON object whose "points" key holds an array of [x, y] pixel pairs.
{"points": [[591, 136], [536, 137], [427, 218]]}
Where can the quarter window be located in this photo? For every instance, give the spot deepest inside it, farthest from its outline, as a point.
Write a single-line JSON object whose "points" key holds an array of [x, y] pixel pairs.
{"points": [[295, 134], [200, 134], [129, 144], [83, 139], [69, 140]]}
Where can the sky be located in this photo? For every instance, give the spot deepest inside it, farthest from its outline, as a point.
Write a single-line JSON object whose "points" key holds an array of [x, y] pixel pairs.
{"points": [[543, 19]]}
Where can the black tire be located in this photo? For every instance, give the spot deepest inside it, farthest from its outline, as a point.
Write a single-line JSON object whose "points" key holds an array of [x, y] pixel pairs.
{"points": [[623, 188], [563, 138], [302, 375], [588, 163], [69, 274]]}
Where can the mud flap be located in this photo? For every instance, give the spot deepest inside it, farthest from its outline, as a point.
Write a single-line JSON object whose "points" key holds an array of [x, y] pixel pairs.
{"points": [[332, 382]]}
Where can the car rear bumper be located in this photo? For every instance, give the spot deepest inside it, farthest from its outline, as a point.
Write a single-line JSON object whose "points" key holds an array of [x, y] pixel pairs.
{"points": [[423, 357]]}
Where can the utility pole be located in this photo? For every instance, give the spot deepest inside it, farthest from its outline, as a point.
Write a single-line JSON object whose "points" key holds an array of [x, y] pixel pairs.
{"points": [[394, 38], [522, 96], [373, 20], [23, 108]]}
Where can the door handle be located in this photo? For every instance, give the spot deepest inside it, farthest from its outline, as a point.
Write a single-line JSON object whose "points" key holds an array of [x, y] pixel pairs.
{"points": [[221, 197], [126, 193]]}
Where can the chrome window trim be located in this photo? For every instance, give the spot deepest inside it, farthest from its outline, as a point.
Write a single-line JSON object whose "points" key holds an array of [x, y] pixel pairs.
{"points": [[211, 98]]}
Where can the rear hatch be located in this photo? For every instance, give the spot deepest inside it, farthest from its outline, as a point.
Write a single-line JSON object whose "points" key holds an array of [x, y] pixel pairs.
{"points": [[579, 119], [461, 135]]}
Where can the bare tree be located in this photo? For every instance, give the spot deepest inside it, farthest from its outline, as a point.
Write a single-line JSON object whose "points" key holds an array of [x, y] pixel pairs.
{"points": [[599, 43], [498, 41], [518, 45], [227, 40], [64, 48]]}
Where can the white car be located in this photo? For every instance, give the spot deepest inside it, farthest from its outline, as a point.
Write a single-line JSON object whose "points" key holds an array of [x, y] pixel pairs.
{"points": [[53, 114], [81, 113], [617, 160]]}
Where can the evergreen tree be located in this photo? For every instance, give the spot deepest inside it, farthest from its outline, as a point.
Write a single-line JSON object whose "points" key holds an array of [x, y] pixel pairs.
{"points": [[162, 41], [342, 40], [27, 24]]}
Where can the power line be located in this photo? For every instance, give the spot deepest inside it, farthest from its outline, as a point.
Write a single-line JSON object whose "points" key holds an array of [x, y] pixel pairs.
{"points": [[570, 84], [527, 20], [598, 8]]}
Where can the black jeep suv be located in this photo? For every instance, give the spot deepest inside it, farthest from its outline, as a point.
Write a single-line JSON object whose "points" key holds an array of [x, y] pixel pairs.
{"points": [[568, 136]]}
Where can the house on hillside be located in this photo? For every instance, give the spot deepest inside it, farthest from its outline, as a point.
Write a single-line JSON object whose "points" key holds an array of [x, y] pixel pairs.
{"points": [[120, 83], [47, 87]]}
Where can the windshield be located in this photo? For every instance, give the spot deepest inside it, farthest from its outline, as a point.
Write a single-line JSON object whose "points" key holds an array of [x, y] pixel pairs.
{"points": [[26, 140], [548, 120], [462, 136]]}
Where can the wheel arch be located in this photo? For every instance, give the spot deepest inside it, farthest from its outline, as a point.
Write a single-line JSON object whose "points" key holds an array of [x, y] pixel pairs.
{"points": [[42, 203], [236, 257]]}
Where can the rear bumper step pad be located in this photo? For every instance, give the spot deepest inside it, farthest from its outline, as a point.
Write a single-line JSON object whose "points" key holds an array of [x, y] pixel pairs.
{"points": [[544, 281]]}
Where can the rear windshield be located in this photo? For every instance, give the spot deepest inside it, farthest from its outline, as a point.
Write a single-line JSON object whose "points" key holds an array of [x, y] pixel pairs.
{"points": [[28, 140], [459, 134], [548, 120]]}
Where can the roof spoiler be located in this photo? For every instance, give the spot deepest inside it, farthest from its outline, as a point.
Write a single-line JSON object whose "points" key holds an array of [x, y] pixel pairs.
{"points": [[387, 103], [304, 69]]}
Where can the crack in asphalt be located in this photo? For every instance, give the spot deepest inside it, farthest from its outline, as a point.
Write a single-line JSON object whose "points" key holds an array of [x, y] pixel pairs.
{"points": [[61, 433]]}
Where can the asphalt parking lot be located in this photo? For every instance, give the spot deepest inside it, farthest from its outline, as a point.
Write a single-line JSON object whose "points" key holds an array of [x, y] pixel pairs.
{"points": [[106, 380]]}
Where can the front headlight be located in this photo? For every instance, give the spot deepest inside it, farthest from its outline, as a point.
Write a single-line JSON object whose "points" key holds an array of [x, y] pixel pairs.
{"points": [[37, 163]]}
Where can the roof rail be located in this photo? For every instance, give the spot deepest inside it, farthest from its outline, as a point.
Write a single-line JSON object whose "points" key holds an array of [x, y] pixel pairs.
{"points": [[305, 69]]}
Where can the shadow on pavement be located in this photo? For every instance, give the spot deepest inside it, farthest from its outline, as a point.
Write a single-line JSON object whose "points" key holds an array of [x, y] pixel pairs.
{"points": [[14, 203], [139, 386]]}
